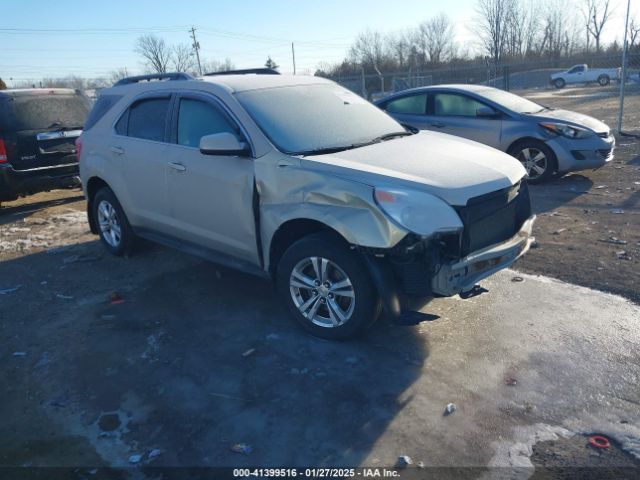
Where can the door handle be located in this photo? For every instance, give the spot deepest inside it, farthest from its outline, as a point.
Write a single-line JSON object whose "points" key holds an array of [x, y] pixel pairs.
{"points": [[117, 150], [178, 166], [438, 125]]}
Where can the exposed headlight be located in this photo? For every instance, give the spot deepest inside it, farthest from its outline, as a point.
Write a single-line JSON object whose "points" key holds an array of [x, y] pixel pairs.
{"points": [[566, 130], [418, 212]]}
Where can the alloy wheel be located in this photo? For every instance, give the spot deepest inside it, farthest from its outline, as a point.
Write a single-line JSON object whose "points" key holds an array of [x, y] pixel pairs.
{"points": [[534, 161], [322, 292], [109, 223]]}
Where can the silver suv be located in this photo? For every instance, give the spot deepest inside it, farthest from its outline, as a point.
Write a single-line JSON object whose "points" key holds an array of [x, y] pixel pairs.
{"points": [[298, 179]]}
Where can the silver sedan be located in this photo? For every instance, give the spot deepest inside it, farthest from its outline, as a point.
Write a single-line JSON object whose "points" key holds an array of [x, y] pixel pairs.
{"points": [[544, 139]]}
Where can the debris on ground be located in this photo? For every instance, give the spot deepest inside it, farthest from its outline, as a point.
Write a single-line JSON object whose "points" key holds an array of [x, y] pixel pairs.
{"points": [[10, 290], [421, 465], [616, 211], [81, 259], [154, 453], [598, 441], [623, 255], [450, 408], [535, 244], [511, 382], [248, 352], [116, 298], [135, 458], [403, 461], [614, 240], [517, 279], [19, 354], [559, 231], [243, 448]]}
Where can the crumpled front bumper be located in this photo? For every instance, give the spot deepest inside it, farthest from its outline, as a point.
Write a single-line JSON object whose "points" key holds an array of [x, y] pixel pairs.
{"points": [[462, 275]]}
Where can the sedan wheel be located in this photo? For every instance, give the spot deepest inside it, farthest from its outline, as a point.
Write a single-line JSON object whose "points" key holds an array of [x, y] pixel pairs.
{"points": [[322, 292], [534, 161], [109, 224]]}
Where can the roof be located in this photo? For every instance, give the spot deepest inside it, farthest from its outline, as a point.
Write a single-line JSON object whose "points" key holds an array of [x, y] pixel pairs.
{"points": [[460, 87], [240, 83]]}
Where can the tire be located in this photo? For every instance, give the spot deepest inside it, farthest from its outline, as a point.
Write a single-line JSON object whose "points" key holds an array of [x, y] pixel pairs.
{"points": [[604, 80], [113, 227], [320, 276], [559, 83], [537, 158]]}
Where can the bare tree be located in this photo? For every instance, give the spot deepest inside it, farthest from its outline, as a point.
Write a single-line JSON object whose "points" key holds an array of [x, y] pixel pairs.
{"points": [[368, 49], [437, 38], [597, 13], [155, 52], [3, 86], [491, 26], [119, 74], [182, 58], [633, 32], [213, 66]]}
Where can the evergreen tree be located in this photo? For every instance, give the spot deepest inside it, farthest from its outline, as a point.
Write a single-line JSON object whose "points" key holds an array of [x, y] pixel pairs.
{"points": [[271, 64]]}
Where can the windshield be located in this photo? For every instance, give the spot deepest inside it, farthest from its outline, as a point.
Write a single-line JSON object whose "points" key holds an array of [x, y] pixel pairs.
{"points": [[36, 112], [515, 103], [307, 118]]}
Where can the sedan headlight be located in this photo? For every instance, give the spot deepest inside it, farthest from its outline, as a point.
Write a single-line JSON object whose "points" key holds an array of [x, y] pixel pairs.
{"points": [[418, 212], [566, 130]]}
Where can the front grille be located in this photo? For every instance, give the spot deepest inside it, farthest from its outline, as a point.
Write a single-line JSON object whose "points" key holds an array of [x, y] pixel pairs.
{"points": [[494, 218]]}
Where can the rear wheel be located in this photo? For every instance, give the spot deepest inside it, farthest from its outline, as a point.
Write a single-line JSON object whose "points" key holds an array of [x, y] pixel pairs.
{"points": [[559, 83], [327, 288], [604, 80], [113, 227], [537, 158]]}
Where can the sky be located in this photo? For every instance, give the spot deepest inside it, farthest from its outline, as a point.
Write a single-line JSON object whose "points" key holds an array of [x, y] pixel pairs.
{"points": [[90, 39]]}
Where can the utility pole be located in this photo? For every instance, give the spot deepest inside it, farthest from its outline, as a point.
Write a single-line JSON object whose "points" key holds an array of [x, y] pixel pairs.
{"points": [[196, 47], [293, 54], [624, 67]]}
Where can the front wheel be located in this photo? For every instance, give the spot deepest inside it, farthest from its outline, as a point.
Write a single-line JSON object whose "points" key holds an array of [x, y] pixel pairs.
{"points": [[604, 80], [327, 288], [537, 158], [559, 83]]}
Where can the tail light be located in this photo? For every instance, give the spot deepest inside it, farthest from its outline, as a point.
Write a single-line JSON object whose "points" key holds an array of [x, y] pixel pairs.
{"points": [[3, 152], [78, 146]]}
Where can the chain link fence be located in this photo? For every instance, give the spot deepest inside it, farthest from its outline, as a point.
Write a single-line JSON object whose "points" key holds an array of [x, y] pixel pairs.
{"points": [[538, 79]]}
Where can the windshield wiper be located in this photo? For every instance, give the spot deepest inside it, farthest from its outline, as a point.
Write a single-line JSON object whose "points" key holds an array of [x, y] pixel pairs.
{"points": [[328, 150], [389, 136]]}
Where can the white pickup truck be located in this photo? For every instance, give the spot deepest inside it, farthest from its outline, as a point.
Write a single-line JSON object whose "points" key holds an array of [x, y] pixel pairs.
{"points": [[584, 74]]}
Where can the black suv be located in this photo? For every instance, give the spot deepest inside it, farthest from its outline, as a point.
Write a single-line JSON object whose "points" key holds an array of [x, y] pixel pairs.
{"points": [[38, 129]]}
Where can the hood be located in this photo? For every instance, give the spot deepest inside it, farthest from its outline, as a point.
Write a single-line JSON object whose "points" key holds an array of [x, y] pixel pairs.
{"points": [[452, 168], [573, 118]]}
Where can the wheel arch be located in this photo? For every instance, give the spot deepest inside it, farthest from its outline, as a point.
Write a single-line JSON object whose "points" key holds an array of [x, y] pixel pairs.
{"points": [[94, 185]]}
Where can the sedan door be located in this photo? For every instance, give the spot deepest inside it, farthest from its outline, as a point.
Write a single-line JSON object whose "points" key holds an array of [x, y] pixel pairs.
{"points": [[461, 115], [211, 197]]}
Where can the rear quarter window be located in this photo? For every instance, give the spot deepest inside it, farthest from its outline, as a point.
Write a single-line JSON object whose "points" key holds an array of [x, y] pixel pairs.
{"points": [[146, 119], [100, 109]]}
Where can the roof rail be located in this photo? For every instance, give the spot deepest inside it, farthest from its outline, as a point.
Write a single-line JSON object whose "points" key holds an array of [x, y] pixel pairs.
{"points": [[246, 71], [154, 76]]}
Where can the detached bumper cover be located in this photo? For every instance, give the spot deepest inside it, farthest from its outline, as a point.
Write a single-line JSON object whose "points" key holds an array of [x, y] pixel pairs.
{"points": [[461, 276]]}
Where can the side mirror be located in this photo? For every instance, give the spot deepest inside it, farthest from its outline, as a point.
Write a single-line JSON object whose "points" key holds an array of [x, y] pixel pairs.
{"points": [[223, 144], [486, 112]]}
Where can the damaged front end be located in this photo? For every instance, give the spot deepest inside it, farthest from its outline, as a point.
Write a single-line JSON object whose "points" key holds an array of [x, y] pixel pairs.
{"points": [[497, 231]]}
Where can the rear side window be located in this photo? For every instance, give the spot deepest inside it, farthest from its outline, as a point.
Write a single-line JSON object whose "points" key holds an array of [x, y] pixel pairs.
{"points": [[197, 119], [38, 112], [101, 107], [452, 104], [412, 105], [146, 119]]}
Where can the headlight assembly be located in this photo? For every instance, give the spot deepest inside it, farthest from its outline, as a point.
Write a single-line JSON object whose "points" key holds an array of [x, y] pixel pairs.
{"points": [[566, 130], [418, 212]]}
